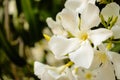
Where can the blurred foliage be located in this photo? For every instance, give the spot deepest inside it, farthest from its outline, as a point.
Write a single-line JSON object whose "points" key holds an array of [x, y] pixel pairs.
{"points": [[21, 26]]}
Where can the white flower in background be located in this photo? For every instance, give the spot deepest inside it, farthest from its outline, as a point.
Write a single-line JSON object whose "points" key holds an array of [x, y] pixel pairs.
{"points": [[40, 52], [105, 72], [112, 10], [12, 9], [37, 51], [109, 56], [45, 72], [78, 48], [78, 5]]}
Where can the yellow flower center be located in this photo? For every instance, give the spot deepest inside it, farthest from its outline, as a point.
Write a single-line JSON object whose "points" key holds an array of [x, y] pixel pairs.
{"points": [[88, 76], [103, 57], [83, 36]]}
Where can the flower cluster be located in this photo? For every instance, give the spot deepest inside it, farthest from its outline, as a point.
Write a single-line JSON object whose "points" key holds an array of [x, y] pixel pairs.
{"points": [[83, 34]]}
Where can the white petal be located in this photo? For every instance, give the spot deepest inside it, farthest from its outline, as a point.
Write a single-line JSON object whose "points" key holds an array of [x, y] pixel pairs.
{"points": [[47, 76], [65, 75], [92, 1], [69, 20], [116, 31], [55, 26], [60, 46], [51, 23], [102, 47], [76, 5], [39, 69], [99, 35], [110, 10], [53, 74], [105, 72], [83, 56], [118, 21], [96, 61], [90, 17], [69, 74], [63, 78], [116, 63]]}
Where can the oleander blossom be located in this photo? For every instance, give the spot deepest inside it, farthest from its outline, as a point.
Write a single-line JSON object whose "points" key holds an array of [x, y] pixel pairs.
{"points": [[81, 36]]}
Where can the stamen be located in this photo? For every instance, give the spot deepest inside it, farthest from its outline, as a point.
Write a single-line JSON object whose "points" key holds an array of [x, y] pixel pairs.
{"points": [[109, 46], [69, 64], [47, 37], [65, 66]]}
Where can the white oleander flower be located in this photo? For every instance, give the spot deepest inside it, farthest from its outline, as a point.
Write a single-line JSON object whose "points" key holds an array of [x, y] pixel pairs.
{"points": [[78, 5], [45, 72], [37, 51], [112, 10], [78, 48]]}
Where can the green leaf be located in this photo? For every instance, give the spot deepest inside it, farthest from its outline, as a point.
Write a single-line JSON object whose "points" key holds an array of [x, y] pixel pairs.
{"points": [[116, 47], [34, 32]]}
